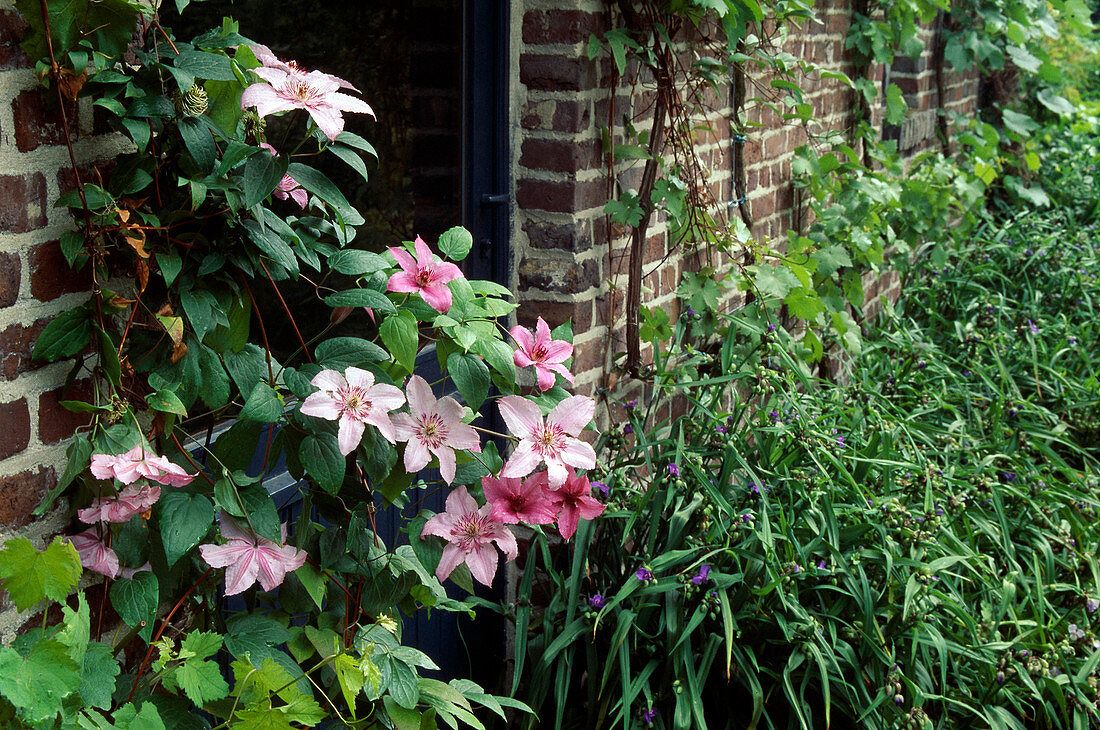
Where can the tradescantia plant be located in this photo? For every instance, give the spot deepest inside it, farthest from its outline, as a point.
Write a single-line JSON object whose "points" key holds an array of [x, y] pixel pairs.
{"points": [[207, 214]]}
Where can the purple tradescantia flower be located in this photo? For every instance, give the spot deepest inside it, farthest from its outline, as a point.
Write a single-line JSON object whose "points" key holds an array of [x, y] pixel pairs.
{"points": [[596, 601], [601, 488], [674, 470], [649, 715], [701, 577], [1092, 604], [643, 574]]}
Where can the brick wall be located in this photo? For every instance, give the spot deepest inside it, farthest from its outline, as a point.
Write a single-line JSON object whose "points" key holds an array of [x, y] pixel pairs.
{"points": [[35, 283], [567, 264]]}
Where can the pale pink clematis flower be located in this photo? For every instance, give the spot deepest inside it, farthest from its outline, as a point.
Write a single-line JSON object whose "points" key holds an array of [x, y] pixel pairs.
{"points": [[469, 532], [94, 554], [574, 502], [433, 427], [353, 399], [139, 463], [247, 558], [552, 440], [285, 88], [515, 501], [270, 60], [132, 500], [288, 187], [546, 354], [424, 275]]}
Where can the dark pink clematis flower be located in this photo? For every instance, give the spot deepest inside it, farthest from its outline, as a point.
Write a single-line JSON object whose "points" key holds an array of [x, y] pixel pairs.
{"points": [[424, 276], [139, 463], [94, 554], [132, 500], [470, 533], [248, 558], [354, 400], [285, 87], [546, 354], [515, 501], [433, 427], [552, 439], [574, 502]]}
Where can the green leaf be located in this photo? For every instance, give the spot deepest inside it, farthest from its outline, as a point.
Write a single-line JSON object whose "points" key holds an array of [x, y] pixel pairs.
{"points": [[205, 65], [136, 600], [272, 244], [166, 401], [499, 356], [29, 576], [400, 681], [317, 183], [72, 248], [199, 141], [184, 520], [352, 158], [1054, 102], [129, 718], [350, 677], [631, 152], [775, 281], [255, 635], [107, 24], [896, 108], [67, 334], [831, 258], [247, 367], [215, 381], [1019, 123], [38, 684], [77, 628], [261, 511], [470, 376], [262, 174], [354, 262], [170, 265], [361, 298], [456, 243], [263, 404], [98, 678], [400, 335], [804, 304], [321, 458], [340, 353], [77, 457], [201, 681]]}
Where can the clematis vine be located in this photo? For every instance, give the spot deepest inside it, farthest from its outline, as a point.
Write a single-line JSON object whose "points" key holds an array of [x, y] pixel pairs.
{"points": [[543, 352], [94, 553], [285, 87], [288, 187], [139, 463], [574, 502], [132, 500], [552, 439], [248, 558], [424, 276], [355, 400], [433, 428], [514, 501], [470, 532]]}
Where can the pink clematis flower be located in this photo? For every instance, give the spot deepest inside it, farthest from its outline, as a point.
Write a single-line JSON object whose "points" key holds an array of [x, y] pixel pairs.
{"points": [[546, 354], [94, 554], [139, 463], [469, 532], [132, 500], [424, 275], [248, 557], [514, 501], [285, 88], [433, 427], [574, 502], [353, 399], [552, 440], [288, 187], [270, 60]]}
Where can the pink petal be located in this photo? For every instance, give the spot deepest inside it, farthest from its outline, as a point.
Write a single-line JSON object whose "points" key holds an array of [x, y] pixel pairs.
{"points": [[520, 358], [382, 422], [403, 283], [460, 502], [420, 396], [328, 119], [404, 260], [386, 397], [231, 530], [522, 335], [346, 103], [220, 556], [542, 332], [424, 256], [560, 370], [573, 413], [521, 415], [568, 519], [329, 380], [266, 100], [349, 435], [462, 436], [404, 427], [321, 405], [545, 377], [299, 196], [274, 74], [447, 465], [103, 466], [445, 271], [241, 575], [452, 557], [359, 378], [506, 541], [522, 462], [578, 454], [483, 563], [558, 351], [416, 455], [439, 525], [556, 473], [437, 296]]}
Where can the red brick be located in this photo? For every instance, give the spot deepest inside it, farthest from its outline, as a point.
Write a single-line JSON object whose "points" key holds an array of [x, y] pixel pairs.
{"points": [[38, 120], [16, 343], [15, 434], [571, 116], [10, 274], [55, 423], [558, 156], [556, 313], [22, 202], [552, 275], [560, 197], [20, 494], [51, 276], [559, 26], [556, 73], [12, 26]]}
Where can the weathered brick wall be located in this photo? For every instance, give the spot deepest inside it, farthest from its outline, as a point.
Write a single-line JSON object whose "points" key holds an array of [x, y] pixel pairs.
{"points": [[566, 265], [35, 283]]}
